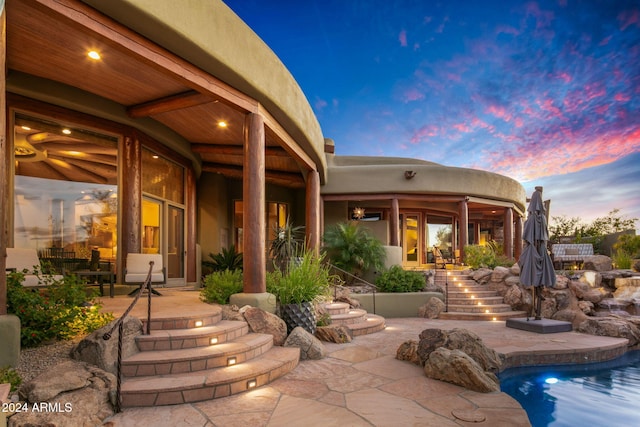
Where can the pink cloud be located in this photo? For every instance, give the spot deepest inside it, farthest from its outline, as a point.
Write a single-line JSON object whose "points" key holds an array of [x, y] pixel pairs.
{"points": [[412, 94], [425, 132], [628, 18], [622, 97], [462, 127], [402, 37]]}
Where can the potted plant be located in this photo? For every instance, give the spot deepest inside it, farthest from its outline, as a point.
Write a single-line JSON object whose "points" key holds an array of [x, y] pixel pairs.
{"points": [[288, 244], [297, 287]]}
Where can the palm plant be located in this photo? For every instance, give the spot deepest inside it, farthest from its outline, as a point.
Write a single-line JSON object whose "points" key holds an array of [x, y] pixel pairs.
{"points": [[353, 248]]}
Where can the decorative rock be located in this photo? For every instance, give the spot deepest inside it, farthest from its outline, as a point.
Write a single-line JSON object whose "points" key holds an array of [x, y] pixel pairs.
{"points": [[264, 322], [635, 265], [472, 345], [591, 278], [515, 269], [353, 303], [430, 339], [80, 395], [597, 263], [310, 346], [562, 282], [456, 367], [408, 351], [611, 327], [432, 309], [231, 312], [586, 307], [499, 274], [482, 275], [95, 350], [338, 334]]}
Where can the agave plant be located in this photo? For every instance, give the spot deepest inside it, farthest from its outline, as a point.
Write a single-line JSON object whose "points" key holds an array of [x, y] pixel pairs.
{"points": [[288, 244]]}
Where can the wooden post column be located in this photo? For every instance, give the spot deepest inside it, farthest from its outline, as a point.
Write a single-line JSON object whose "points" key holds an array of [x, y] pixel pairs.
{"points": [[253, 196], [131, 197], [313, 211], [463, 215], [518, 242], [192, 232], [3, 161], [508, 232], [394, 223]]}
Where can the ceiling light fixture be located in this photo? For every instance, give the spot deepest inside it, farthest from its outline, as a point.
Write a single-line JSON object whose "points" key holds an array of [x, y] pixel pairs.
{"points": [[66, 131], [93, 55], [222, 124]]}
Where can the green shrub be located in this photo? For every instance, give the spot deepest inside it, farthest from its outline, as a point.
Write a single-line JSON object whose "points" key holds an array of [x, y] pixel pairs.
{"points": [[395, 279], [476, 256], [302, 281], [63, 310], [220, 285], [9, 375], [628, 243], [622, 259]]}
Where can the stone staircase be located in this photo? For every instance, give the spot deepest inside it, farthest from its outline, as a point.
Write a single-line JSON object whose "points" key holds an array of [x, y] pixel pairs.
{"points": [[357, 320], [470, 301], [200, 357]]}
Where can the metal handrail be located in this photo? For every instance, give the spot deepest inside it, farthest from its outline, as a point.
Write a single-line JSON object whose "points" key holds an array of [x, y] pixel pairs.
{"points": [[446, 284], [375, 288], [119, 325]]}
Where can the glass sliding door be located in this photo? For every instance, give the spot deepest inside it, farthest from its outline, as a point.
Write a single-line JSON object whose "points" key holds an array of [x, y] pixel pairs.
{"points": [[175, 243]]}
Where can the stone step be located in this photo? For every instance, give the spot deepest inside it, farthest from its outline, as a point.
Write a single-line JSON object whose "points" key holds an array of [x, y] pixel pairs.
{"points": [[173, 389], [354, 315], [467, 308], [336, 308], [176, 339], [471, 294], [474, 301], [373, 323], [481, 316], [183, 322], [242, 349]]}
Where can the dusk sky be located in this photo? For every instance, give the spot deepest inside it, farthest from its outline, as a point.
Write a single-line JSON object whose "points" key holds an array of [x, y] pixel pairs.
{"points": [[545, 92]]}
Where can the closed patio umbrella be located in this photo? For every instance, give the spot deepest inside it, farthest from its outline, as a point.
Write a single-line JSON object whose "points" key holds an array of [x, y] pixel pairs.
{"points": [[536, 267]]}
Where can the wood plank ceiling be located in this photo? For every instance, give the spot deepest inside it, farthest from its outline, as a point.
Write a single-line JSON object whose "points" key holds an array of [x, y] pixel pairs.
{"points": [[50, 39]]}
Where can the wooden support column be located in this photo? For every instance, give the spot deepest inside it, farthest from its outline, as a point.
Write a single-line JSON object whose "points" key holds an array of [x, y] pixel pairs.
{"points": [[508, 232], [131, 197], [463, 215], [518, 238], [3, 161], [394, 223], [191, 227], [253, 196], [313, 211]]}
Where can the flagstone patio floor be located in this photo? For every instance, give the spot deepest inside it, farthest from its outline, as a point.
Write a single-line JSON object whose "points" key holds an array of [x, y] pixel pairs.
{"points": [[362, 384]]}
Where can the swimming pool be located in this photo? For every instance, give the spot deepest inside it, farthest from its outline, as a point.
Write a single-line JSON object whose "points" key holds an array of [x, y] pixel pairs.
{"points": [[594, 394]]}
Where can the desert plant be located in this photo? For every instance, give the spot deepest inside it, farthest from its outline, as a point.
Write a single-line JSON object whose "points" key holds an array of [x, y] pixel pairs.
{"points": [[353, 248], [628, 243], [303, 281], [226, 259], [396, 279], [8, 375], [288, 244], [476, 256], [220, 285], [622, 259], [63, 310]]}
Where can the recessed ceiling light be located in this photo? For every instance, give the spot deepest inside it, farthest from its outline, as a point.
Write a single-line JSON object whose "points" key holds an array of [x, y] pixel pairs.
{"points": [[25, 127], [222, 124], [155, 156], [66, 131], [93, 55]]}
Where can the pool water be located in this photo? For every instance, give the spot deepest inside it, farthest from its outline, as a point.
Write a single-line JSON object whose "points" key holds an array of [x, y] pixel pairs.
{"points": [[590, 395]]}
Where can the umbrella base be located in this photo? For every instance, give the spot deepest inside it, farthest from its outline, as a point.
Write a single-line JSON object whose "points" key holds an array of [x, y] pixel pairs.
{"points": [[541, 326]]}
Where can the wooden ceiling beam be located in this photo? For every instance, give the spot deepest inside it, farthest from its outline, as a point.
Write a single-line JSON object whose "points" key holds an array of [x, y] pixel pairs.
{"points": [[284, 178], [178, 101], [234, 150]]}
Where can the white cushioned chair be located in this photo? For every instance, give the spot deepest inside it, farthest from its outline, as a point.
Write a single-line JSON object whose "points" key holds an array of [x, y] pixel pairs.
{"points": [[21, 259], [137, 269]]}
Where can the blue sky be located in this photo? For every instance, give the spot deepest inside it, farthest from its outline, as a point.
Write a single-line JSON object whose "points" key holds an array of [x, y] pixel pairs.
{"points": [[545, 92]]}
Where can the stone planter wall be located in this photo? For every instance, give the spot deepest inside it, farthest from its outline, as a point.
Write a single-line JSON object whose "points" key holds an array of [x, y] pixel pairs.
{"points": [[396, 304]]}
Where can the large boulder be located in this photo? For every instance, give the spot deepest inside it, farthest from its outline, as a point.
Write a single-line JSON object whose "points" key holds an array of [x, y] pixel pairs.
{"points": [[612, 327], [94, 349], [408, 351], [432, 309], [458, 339], [72, 394], [456, 367], [263, 322], [597, 263], [338, 334], [310, 346]]}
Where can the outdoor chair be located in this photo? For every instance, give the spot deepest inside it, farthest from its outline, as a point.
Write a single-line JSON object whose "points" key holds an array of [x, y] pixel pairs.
{"points": [[438, 259], [137, 269], [27, 261]]}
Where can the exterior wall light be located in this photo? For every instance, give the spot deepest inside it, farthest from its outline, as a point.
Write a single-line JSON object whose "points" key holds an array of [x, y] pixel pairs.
{"points": [[409, 174]]}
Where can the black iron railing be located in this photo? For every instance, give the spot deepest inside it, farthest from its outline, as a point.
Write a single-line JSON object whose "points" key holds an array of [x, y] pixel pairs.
{"points": [[119, 324], [446, 283], [359, 279]]}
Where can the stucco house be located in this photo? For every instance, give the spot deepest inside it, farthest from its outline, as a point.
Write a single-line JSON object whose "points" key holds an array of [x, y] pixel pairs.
{"points": [[170, 127]]}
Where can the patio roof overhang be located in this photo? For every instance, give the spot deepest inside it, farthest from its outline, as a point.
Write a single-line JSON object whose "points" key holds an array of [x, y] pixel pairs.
{"points": [[178, 92]]}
